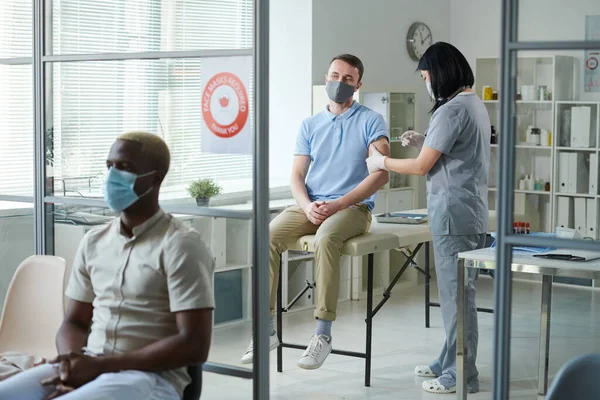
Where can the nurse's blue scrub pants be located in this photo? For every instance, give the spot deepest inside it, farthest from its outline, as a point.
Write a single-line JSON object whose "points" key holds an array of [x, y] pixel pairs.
{"points": [[446, 249]]}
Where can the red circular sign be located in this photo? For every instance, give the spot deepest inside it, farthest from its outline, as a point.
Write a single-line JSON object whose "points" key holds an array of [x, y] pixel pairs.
{"points": [[592, 63], [225, 105]]}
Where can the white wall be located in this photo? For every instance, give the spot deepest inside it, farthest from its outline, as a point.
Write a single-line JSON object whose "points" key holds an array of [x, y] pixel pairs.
{"points": [[475, 27], [375, 31], [290, 81]]}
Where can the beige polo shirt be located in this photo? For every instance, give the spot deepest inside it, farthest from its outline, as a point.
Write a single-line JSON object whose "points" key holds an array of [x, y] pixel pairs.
{"points": [[137, 284]]}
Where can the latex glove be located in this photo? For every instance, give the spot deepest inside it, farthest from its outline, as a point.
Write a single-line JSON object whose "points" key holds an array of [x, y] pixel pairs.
{"points": [[376, 162], [412, 138]]}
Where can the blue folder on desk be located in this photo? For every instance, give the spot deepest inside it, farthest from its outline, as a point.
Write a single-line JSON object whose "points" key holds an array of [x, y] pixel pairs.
{"points": [[529, 249]]}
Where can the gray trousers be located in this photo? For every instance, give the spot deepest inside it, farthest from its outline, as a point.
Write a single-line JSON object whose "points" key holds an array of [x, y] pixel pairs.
{"points": [[446, 249]]}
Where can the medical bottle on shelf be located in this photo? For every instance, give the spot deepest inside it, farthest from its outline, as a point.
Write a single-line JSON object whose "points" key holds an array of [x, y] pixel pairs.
{"points": [[527, 228], [515, 228], [493, 137]]}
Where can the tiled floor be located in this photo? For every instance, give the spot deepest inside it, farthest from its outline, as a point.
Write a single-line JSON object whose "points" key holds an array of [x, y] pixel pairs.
{"points": [[401, 341]]}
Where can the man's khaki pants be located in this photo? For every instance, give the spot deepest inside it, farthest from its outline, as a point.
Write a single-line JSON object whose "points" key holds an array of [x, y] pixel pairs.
{"points": [[292, 224]]}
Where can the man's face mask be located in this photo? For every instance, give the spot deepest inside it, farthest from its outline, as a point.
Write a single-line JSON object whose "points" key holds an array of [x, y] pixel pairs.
{"points": [[339, 91], [118, 189]]}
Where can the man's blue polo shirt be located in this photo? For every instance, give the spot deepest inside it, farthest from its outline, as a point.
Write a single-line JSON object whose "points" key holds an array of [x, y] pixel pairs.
{"points": [[338, 146]]}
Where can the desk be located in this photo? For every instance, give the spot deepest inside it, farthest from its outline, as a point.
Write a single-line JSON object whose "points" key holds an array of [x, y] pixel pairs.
{"points": [[381, 237], [486, 259]]}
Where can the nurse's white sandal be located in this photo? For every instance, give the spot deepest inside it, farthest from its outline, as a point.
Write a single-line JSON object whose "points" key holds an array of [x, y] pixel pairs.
{"points": [[424, 371], [434, 386]]}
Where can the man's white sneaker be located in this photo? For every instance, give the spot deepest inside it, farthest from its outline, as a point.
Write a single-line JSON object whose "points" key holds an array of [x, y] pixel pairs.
{"points": [[317, 351], [248, 356]]}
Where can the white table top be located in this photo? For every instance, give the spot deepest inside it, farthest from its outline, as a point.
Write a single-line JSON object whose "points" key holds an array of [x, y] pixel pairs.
{"points": [[486, 258]]}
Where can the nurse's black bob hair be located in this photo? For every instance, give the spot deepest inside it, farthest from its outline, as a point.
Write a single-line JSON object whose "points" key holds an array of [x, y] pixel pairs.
{"points": [[449, 70]]}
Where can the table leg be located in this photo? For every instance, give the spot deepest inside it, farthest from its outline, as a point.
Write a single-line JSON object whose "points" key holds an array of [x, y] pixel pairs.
{"points": [[427, 283], [544, 334], [280, 320], [461, 330], [369, 321]]}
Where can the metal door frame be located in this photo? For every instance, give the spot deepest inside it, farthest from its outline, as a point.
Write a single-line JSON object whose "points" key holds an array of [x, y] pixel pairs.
{"points": [[505, 238]]}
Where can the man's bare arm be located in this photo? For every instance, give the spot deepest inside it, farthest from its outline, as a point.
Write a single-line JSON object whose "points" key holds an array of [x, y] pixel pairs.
{"points": [[298, 180], [187, 347], [372, 183], [73, 333], [298, 186]]}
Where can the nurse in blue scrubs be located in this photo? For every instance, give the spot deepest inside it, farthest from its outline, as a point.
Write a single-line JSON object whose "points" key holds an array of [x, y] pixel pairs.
{"points": [[455, 158]]}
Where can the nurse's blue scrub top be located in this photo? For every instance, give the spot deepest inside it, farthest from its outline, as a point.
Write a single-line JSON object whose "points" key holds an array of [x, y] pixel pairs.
{"points": [[457, 185]]}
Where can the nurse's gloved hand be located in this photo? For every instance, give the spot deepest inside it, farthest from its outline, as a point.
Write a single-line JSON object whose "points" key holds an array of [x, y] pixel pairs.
{"points": [[413, 139], [376, 162]]}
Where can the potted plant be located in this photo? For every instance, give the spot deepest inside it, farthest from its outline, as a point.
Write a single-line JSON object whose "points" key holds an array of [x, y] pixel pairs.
{"points": [[202, 190]]}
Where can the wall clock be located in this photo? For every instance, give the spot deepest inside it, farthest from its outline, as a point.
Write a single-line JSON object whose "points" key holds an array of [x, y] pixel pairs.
{"points": [[418, 40]]}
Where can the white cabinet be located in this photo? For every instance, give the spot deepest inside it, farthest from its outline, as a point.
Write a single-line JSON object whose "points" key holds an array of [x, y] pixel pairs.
{"points": [[381, 202], [400, 200]]}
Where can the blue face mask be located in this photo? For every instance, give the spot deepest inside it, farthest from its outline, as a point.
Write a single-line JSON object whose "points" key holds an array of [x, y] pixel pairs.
{"points": [[118, 189]]}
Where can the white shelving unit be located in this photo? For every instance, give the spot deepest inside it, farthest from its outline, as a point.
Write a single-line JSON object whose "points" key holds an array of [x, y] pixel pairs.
{"points": [[558, 74], [577, 205]]}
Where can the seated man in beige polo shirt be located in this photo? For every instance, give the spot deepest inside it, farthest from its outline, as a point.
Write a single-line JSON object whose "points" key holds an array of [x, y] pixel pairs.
{"points": [[141, 295]]}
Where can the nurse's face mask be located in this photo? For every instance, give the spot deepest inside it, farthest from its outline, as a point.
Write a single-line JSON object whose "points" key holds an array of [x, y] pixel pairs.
{"points": [[430, 90], [426, 77], [119, 191]]}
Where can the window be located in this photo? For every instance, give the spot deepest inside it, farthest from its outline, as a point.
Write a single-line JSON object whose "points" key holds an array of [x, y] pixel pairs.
{"points": [[96, 101], [16, 98], [93, 102], [16, 18], [92, 26]]}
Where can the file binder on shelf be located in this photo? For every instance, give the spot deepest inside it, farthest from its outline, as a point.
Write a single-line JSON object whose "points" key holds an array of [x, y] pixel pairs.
{"points": [[563, 172], [591, 219], [564, 217], [593, 184], [580, 216], [581, 118], [578, 174]]}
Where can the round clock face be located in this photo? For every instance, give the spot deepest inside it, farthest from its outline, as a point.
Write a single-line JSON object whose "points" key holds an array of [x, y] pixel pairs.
{"points": [[418, 40]]}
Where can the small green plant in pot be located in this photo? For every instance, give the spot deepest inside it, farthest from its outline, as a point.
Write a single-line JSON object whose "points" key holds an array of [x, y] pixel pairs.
{"points": [[202, 190]]}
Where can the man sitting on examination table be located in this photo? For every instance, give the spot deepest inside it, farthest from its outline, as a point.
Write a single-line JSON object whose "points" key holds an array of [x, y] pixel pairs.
{"points": [[334, 194], [141, 295]]}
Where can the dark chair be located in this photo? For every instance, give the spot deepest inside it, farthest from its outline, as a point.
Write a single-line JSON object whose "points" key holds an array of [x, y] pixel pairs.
{"points": [[577, 380], [194, 389]]}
